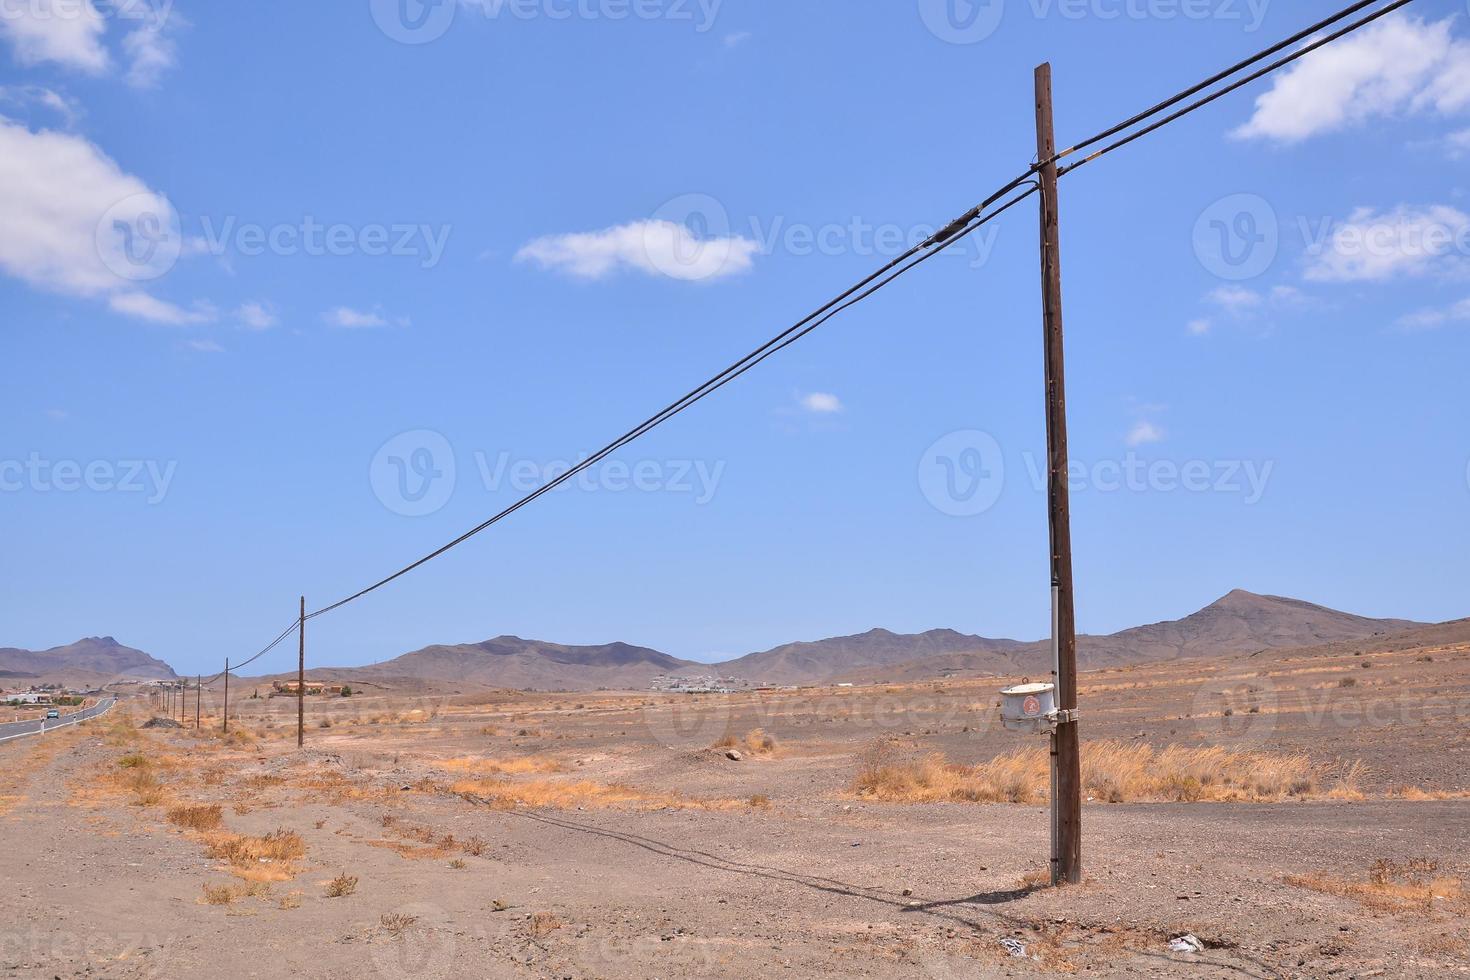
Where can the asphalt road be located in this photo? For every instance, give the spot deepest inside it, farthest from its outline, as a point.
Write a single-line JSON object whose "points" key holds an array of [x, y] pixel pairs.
{"points": [[38, 726]]}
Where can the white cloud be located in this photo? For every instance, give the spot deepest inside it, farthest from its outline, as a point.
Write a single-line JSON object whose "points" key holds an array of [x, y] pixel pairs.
{"points": [[67, 32], [1398, 65], [1199, 327], [737, 39], [1143, 432], [1235, 299], [1373, 246], [1429, 319], [258, 316], [660, 248], [350, 319], [150, 308], [64, 210], [151, 53], [66, 108], [821, 403]]}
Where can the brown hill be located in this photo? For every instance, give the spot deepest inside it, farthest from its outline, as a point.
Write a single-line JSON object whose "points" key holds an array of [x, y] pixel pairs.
{"points": [[89, 661], [874, 655], [1241, 622], [511, 662]]}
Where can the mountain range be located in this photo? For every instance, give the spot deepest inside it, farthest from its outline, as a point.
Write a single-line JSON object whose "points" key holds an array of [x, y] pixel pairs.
{"points": [[1238, 623], [88, 662]]}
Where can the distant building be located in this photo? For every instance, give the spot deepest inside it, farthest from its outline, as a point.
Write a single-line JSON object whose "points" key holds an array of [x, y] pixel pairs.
{"points": [[313, 688], [671, 684]]}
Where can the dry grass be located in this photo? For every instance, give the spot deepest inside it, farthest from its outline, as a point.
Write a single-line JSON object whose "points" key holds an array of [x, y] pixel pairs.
{"points": [[1114, 772], [201, 817], [341, 886], [559, 795], [755, 742], [227, 894], [1415, 886], [258, 859], [526, 765]]}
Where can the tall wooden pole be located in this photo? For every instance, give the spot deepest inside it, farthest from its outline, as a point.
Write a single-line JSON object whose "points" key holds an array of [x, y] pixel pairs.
{"points": [[1067, 801], [227, 696], [198, 698], [301, 678]]}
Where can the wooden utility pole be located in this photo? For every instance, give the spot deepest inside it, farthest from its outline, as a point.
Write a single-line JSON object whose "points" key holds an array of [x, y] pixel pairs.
{"points": [[301, 678], [198, 697], [227, 696], [1067, 798]]}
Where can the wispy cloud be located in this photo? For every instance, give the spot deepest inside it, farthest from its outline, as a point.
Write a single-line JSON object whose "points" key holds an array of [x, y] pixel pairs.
{"points": [[1397, 66], [1144, 432], [204, 346], [736, 39], [151, 52], [821, 403], [258, 316], [64, 107], [63, 32], [145, 307], [1374, 246], [71, 33], [1430, 319], [349, 319], [656, 248]]}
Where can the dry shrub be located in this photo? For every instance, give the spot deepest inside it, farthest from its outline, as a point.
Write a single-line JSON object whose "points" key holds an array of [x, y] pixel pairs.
{"points": [[1114, 772], [200, 817], [134, 760], [759, 801], [458, 864], [1349, 784], [755, 742], [1413, 886], [291, 901], [268, 858], [760, 743], [342, 886], [226, 894], [543, 924], [396, 922]]}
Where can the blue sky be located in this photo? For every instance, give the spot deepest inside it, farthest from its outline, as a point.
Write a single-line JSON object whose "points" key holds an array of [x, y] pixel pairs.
{"points": [[333, 266]]}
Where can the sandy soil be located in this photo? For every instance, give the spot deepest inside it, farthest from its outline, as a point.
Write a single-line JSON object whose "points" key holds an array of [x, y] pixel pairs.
{"points": [[643, 852]]}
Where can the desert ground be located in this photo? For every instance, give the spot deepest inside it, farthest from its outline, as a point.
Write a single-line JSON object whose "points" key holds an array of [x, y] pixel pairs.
{"points": [[1301, 814]]}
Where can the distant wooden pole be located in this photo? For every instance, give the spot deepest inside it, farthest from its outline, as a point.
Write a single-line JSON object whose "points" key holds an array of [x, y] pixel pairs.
{"points": [[301, 678], [227, 696], [1067, 802], [198, 697]]}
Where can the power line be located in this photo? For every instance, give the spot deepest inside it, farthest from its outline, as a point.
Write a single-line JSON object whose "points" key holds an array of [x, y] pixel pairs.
{"points": [[955, 231], [1195, 89], [930, 247], [1233, 86]]}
